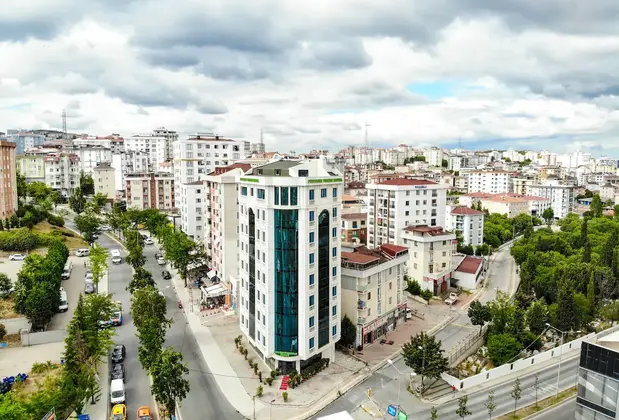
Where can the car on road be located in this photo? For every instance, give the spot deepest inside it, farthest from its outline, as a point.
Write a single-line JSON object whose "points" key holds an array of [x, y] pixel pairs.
{"points": [[453, 298], [149, 241], [95, 236], [17, 257], [158, 255], [118, 371], [89, 288], [116, 258], [161, 293], [144, 413], [82, 252], [105, 228], [166, 275], [118, 353], [117, 314], [160, 261], [88, 276], [119, 412], [64, 302]]}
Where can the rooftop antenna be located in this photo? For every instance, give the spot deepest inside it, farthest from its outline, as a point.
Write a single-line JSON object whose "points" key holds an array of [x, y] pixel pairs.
{"points": [[64, 122], [261, 135], [366, 135]]}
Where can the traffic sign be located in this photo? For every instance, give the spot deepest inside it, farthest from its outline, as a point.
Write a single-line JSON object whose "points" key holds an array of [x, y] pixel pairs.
{"points": [[84, 417], [51, 415], [392, 410], [402, 416]]}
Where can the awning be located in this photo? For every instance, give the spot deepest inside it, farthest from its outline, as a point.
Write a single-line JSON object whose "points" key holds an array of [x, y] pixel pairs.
{"points": [[211, 274], [214, 291]]}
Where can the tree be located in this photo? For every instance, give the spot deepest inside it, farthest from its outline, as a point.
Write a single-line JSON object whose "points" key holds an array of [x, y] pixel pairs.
{"points": [[548, 215], [1, 225], [597, 207], [169, 383], [348, 332], [148, 304], [98, 263], [537, 316], [567, 317], [425, 356], [610, 312], [41, 304], [502, 311], [516, 394], [479, 314], [503, 348], [141, 279], [11, 408], [77, 201], [39, 191], [22, 187], [5, 284], [98, 202], [427, 295], [490, 404], [87, 224], [413, 287], [433, 413], [87, 184], [151, 335], [462, 410], [616, 212], [55, 197], [608, 250], [180, 250]]}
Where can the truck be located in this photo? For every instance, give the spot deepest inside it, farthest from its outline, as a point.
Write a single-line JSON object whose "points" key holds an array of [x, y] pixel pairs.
{"points": [[453, 298]]}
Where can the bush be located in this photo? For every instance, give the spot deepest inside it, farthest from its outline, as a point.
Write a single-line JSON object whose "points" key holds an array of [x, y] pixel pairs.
{"points": [[18, 240], [2, 332], [413, 287], [259, 391], [530, 339], [269, 381], [503, 348], [285, 396], [427, 295], [55, 220], [274, 373]]}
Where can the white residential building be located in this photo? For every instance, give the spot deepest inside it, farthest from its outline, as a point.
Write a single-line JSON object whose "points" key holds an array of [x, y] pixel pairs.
{"points": [[150, 191], [104, 178], [158, 145], [373, 291], [32, 167], [62, 172], [193, 205], [113, 142], [469, 222], [561, 197], [289, 219], [91, 156], [401, 202], [430, 251], [434, 156], [491, 182], [505, 204]]}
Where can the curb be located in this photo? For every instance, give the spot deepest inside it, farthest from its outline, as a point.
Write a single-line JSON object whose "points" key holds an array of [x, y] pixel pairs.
{"points": [[552, 407], [156, 408]]}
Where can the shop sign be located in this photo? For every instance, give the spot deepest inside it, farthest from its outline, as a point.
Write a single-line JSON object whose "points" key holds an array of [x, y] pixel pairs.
{"points": [[324, 180], [255, 180], [392, 410], [285, 354]]}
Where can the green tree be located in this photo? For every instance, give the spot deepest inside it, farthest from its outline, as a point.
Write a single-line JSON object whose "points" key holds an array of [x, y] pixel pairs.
{"points": [[180, 250], [567, 317], [616, 212], [98, 201], [141, 279], [502, 311], [608, 250], [22, 187], [38, 191], [479, 314], [87, 224], [41, 304], [56, 198], [433, 413], [5, 284], [583, 311], [503, 348], [490, 404], [537, 316], [425, 356], [1, 225], [462, 410], [348, 332], [548, 215], [169, 383], [151, 336], [516, 394], [98, 263], [148, 304], [413, 287], [77, 201], [87, 184], [597, 207], [610, 311], [427, 295]]}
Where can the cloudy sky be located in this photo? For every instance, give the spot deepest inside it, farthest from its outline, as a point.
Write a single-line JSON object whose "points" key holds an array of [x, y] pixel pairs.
{"points": [[526, 73]]}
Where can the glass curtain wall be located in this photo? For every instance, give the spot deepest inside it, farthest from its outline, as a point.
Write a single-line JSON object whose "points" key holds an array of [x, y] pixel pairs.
{"points": [[323, 278], [252, 274]]}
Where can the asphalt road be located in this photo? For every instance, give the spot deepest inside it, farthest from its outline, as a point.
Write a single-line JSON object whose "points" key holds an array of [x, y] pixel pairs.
{"points": [[74, 285], [564, 411]]}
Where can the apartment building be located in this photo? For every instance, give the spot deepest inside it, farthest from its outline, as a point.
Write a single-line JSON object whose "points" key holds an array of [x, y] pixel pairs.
{"points": [[354, 227], [289, 219], [521, 185], [397, 203], [221, 225], [8, 179], [491, 182], [32, 167], [113, 142], [154, 190], [561, 197], [91, 156], [373, 290], [468, 222], [104, 177], [158, 146], [505, 204], [62, 172], [430, 251], [25, 141]]}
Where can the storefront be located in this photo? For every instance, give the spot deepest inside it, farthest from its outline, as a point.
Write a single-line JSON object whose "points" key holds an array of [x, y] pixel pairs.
{"points": [[375, 330]]}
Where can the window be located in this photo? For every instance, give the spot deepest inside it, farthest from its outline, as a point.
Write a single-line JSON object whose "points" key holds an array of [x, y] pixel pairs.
{"points": [[312, 215], [323, 193], [284, 197], [312, 279], [311, 258], [334, 251], [334, 232], [311, 321], [303, 172], [311, 237], [293, 196], [334, 211], [311, 195], [311, 300], [334, 291], [334, 310], [276, 196], [311, 343], [260, 194], [334, 330], [243, 190], [334, 271], [334, 192]]}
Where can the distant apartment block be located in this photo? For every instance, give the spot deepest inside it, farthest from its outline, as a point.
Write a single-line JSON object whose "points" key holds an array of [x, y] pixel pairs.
{"points": [[25, 141], [561, 197], [104, 177], [158, 146], [193, 202], [91, 156], [113, 142], [467, 222], [62, 172], [150, 191], [32, 167], [491, 182], [354, 227], [8, 179]]}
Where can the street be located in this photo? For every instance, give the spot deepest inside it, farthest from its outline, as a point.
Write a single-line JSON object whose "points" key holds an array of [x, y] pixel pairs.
{"points": [[563, 411]]}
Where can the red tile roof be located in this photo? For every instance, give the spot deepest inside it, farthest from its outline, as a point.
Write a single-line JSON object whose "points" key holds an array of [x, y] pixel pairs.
{"points": [[470, 265], [466, 210], [358, 257], [354, 216], [244, 166], [432, 230], [407, 181], [393, 250]]}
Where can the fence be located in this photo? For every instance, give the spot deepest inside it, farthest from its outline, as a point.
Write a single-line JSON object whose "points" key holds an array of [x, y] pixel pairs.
{"points": [[518, 365], [42, 337], [467, 346]]}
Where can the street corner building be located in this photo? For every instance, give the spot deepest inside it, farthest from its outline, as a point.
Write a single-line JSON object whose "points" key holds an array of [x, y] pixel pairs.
{"points": [[289, 230]]}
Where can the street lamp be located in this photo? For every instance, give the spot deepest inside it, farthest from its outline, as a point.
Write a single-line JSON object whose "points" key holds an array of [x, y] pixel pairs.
{"points": [[560, 353], [271, 409], [423, 364], [413, 374]]}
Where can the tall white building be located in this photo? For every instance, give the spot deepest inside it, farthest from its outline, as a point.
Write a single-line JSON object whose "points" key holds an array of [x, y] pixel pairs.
{"points": [[434, 156], [192, 207], [401, 202], [469, 222], [561, 197], [289, 218], [490, 182], [62, 172], [158, 145], [91, 156]]}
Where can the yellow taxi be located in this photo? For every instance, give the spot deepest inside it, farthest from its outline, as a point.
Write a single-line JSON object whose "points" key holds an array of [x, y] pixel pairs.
{"points": [[144, 413], [119, 412]]}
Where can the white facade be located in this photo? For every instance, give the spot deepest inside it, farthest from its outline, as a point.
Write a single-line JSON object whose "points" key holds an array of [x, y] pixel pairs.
{"points": [[192, 201], [114, 142], [91, 156], [104, 178], [490, 182], [434, 156], [158, 145], [401, 202], [289, 218], [561, 197], [62, 173], [467, 221]]}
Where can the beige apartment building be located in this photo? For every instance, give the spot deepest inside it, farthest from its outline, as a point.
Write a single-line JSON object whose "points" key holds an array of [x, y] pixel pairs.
{"points": [[104, 177], [373, 290], [32, 167], [154, 190], [8, 179]]}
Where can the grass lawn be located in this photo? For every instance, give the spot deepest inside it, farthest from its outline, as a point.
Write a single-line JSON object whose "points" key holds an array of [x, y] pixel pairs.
{"points": [[6, 309], [531, 409], [72, 242], [37, 376]]}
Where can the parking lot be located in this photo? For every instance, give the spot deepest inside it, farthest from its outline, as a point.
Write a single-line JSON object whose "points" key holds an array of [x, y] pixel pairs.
{"points": [[73, 286], [10, 268]]}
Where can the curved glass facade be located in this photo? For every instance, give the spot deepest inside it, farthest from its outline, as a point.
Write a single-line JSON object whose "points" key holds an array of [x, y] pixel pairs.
{"points": [[286, 257], [252, 274], [323, 278]]}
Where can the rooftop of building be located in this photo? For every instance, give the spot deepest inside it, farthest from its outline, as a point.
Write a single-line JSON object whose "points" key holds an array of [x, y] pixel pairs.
{"points": [[281, 167], [103, 166], [463, 210], [354, 216], [470, 264], [356, 185], [363, 258], [210, 137], [149, 174], [430, 230], [407, 182], [243, 166], [9, 144]]}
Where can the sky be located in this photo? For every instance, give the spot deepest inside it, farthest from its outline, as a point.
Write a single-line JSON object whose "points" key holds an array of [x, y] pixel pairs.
{"points": [[526, 74]]}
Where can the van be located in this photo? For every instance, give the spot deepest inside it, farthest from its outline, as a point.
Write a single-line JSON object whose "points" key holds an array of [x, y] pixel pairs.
{"points": [[117, 391], [66, 272], [116, 259], [64, 303], [82, 252]]}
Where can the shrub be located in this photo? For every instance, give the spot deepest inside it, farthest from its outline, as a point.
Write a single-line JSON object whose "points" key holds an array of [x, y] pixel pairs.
{"points": [[2, 332], [503, 348], [269, 381], [274, 373], [18, 240], [260, 376], [285, 396], [259, 391], [427, 295], [55, 220], [414, 288]]}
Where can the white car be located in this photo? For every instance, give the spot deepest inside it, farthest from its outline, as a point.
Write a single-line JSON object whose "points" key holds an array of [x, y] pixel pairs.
{"points": [[148, 241], [17, 257], [82, 252], [105, 228], [160, 261]]}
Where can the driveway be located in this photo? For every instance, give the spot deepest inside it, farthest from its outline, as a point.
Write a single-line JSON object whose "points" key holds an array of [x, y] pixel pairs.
{"points": [[74, 286]]}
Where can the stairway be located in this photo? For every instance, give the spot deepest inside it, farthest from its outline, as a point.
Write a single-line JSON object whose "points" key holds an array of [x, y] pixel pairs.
{"points": [[284, 385], [437, 389]]}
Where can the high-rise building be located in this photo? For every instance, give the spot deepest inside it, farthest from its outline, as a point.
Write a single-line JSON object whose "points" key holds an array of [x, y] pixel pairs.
{"points": [[62, 172], [468, 222], [491, 182], [158, 145], [561, 196], [153, 190], [8, 179], [26, 140], [289, 220], [104, 178]]}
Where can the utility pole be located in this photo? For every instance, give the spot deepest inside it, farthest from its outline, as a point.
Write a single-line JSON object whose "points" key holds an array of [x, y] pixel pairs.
{"points": [[366, 142]]}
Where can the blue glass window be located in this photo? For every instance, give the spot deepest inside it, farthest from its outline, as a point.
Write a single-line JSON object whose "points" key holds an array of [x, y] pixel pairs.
{"points": [[334, 291], [323, 192], [334, 232], [243, 190], [293, 196], [311, 279], [312, 258], [334, 211], [334, 192], [311, 321], [334, 330], [334, 271], [311, 300], [311, 237], [260, 193], [284, 197], [334, 310], [312, 215], [311, 343], [334, 251], [311, 194], [276, 196]]}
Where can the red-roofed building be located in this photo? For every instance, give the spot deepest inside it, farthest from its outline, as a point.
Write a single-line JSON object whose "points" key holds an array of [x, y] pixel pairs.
{"points": [[467, 222], [400, 202], [373, 290], [354, 227], [469, 272]]}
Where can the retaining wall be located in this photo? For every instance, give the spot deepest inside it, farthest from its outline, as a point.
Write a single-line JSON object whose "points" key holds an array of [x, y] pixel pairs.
{"points": [[42, 337], [14, 325]]}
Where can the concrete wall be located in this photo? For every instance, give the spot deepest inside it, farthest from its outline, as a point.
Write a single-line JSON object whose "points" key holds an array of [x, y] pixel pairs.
{"points": [[14, 325], [518, 365], [43, 337]]}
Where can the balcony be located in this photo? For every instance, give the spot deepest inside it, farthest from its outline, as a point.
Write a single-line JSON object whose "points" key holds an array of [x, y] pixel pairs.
{"points": [[362, 288], [361, 305], [361, 321]]}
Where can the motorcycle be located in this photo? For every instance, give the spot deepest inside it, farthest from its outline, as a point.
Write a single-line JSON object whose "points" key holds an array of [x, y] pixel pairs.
{"points": [[180, 305]]}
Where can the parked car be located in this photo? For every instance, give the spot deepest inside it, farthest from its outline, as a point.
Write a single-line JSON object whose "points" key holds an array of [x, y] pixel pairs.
{"points": [[95, 236], [105, 228], [144, 413], [119, 412], [453, 298], [118, 371], [148, 241], [17, 257], [82, 252], [158, 255], [166, 275], [160, 261], [118, 353], [89, 287], [144, 236]]}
